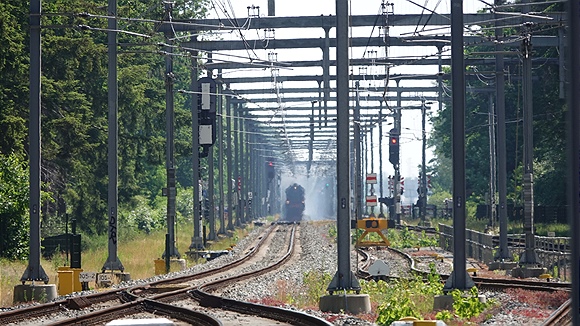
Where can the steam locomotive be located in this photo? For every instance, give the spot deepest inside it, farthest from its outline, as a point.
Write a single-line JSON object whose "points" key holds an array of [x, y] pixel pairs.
{"points": [[294, 207]]}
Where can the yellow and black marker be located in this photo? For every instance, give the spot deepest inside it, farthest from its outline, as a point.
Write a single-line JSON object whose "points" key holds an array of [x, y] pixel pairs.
{"points": [[372, 225]]}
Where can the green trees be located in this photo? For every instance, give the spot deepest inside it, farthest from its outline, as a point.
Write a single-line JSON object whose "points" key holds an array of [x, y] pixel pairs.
{"points": [[75, 110], [548, 124], [14, 195], [14, 81]]}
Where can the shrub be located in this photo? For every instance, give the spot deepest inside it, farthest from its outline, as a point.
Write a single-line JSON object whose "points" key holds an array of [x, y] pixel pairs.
{"points": [[468, 306]]}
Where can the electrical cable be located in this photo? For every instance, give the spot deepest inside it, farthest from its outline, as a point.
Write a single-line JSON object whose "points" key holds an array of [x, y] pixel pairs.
{"points": [[430, 16], [421, 16]]}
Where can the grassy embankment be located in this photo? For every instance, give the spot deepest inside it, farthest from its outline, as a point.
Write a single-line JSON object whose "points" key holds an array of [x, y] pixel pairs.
{"points": [[137, 256]]}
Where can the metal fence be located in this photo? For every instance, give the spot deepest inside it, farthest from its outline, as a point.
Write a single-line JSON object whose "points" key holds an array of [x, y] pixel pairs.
{"points": [[553, 252]]}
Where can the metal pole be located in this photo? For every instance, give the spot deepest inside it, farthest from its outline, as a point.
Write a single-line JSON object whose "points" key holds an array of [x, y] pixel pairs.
{"points": [[271, 8], [34, 271], [397, 176], [230, 161], [250, 139], [170, 139], [358, 188], [492, 162], [459, 278], [220, 131], [503, 253], [237, 165], [256, 151], [344, 279], [381, 212], [529, 257], [197, 239], [573, 115], [326, 71], [440, 77], [243, 166], [370, 150], [311, 142], [113, 263], [211, 196], [423, 163]]}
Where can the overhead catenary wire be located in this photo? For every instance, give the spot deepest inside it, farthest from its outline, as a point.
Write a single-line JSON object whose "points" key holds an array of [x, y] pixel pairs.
{"points": [[253, 62], [129, 19]]}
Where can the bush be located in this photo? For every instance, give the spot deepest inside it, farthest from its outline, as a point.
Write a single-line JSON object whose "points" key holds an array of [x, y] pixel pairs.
{"points": [[407, 239], [408, 298], [468, 306], [14, 195]]}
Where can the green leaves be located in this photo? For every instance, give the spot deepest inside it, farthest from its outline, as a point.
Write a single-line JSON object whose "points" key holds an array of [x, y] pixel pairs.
{"points": [[403, 298], [395, 310], [406, 239], [14, 81], [470, 305], [14, 199], [548, 134]]}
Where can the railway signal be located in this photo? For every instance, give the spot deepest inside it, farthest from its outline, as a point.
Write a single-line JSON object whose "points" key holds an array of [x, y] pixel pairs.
{"points": [[270, 172], [206, 113], [394, 147]]}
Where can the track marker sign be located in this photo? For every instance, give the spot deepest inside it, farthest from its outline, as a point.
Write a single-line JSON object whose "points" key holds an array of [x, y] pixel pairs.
{"points": [[372, 178], [87, 277], [104, 277], [371, 200]]}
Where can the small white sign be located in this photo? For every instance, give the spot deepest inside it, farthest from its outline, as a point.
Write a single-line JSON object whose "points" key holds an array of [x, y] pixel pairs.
{"points": [[250, 195], [379, 268], [551, 233], [205, 134], [87, 276], [104, 277], [205, 96]]}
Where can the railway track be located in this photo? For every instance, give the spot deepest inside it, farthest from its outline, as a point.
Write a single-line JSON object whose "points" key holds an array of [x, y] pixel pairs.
{"points": [[82, 302], [481, 282], [561, 316], [159, 296]]}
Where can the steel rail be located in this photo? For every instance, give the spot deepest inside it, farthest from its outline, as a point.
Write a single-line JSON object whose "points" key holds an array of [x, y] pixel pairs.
{"points": [[142, 305], [560, 316], [481, 282], [205, 299], [80, 302]]}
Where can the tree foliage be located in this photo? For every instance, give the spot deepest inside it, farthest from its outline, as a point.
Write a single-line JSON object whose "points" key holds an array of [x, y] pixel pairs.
{"points": [[75, 107], [13, 207], [548, 127]]}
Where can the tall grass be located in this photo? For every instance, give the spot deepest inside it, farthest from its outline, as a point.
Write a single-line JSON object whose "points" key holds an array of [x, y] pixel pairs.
{"points": [[10, 274], [137, 254]]}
